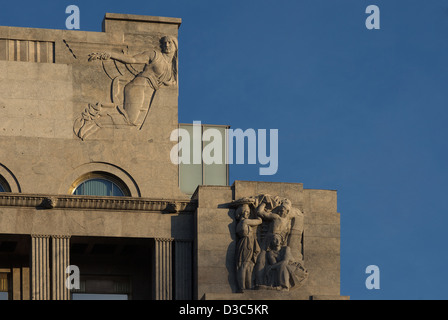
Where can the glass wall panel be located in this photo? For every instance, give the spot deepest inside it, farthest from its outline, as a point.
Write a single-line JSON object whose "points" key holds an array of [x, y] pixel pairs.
{"points": [[212, 169], [216, 173], [190, 175]]}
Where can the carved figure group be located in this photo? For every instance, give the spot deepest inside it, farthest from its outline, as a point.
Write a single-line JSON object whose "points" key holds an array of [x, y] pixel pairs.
{"points": [[269, 244]]}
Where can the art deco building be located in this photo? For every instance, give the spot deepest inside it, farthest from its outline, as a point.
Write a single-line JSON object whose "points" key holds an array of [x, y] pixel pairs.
{"points": [[87, 182]]}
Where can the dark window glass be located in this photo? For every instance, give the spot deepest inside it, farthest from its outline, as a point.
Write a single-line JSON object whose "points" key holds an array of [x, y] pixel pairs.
{"points": [[90, 296], [98, 187]]}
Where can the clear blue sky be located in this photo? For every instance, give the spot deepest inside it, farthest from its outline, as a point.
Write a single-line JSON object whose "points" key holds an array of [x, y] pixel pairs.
{"points": [[360, 111]]}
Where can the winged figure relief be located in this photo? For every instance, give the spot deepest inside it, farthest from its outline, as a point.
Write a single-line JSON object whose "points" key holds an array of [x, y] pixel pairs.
{"points": [[135, 80]]}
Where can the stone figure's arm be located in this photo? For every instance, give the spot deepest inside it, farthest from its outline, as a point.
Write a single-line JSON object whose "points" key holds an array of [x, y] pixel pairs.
{"points": [[286, 259], [254, 222], [170, 83], [142, 58], [273, 263], [265, 214], [239, 228], [271, 260]]}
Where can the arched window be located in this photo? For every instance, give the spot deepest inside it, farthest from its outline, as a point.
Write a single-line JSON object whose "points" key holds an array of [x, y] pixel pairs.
{"points": [[100, 184], [4, 186]]}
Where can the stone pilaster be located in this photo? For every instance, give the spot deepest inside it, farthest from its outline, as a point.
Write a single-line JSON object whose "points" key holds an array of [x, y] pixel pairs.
{"points": [[60, 262], [163, 269], [183, 273], [40, 267]]}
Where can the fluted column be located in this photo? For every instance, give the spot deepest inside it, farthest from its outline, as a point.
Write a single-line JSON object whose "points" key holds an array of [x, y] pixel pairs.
{"points": [[163, 270], [60, 262], [183, 269], [40, 267]]}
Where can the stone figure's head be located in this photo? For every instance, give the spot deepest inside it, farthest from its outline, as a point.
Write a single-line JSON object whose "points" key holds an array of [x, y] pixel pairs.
{"points": [[284, 208], [243, 211], [168, 44], [276, 241]]}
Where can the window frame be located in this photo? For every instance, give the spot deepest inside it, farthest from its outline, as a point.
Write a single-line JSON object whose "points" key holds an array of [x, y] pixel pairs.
{"points": [[103, 176]]}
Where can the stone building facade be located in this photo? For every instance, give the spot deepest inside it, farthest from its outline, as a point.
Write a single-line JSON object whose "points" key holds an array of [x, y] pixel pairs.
{"points": [[86, 180]]}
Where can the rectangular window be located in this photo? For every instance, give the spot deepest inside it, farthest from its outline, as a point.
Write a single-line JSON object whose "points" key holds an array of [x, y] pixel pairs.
{"points": [[3, 282], [4, 286], [103, 287]]}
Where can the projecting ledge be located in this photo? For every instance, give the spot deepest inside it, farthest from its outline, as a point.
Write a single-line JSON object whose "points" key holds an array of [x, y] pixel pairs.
{"points": [[132, 17], [97, 203], [129, 23]]}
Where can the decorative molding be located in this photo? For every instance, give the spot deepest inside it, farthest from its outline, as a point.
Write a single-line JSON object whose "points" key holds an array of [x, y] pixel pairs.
{"points": [[172, 207], [40, 236], [164, 239], [96, 203], [61, 236], [49, 203]]}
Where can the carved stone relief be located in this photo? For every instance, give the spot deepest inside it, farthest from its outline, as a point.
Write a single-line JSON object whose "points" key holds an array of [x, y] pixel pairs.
{"points": [[269, 249], [133, 90]]}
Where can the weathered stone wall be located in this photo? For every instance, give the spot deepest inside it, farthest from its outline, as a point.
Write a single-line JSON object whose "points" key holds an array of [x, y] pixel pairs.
{"points": [[40, 100]]}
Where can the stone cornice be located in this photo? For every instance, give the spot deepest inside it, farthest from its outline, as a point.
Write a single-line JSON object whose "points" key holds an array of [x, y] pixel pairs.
{"points": [[168, 206], [141, 18]]}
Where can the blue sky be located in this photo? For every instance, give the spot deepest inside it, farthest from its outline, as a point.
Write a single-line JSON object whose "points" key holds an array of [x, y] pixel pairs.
{"points": [[360, 111]]}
